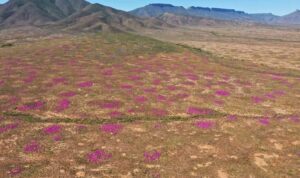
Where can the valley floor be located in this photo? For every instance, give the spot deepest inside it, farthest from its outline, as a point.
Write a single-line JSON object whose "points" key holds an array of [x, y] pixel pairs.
{"points": [[122, 105]]}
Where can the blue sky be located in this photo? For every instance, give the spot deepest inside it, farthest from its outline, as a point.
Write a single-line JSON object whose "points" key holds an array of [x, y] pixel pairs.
{"points": [[278, 7]]}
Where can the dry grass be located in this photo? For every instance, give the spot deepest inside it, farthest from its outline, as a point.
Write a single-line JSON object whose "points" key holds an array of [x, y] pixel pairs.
{"points": [[273, 47]]}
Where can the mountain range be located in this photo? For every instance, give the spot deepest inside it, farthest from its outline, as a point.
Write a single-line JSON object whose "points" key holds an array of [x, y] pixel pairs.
{"points": [[156, 10], [82, 15], [70, 15]]}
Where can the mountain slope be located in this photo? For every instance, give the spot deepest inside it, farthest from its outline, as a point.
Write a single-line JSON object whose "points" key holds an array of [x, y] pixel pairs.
{"points": [[291, 19], [70, 15], [99, 17], [37, 12], [187, 20], [155, 10]]}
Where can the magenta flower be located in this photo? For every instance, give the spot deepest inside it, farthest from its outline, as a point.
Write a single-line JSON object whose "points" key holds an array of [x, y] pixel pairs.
{"points": [[205, 124], [8, 127], [198, 111], [156, 82], [150, 90], [135, 77], [141, 99], [161, 98], [86, 84], [152, 156], [31, 147], [279, 92], [182, 95], [222, 93], [53, 129], [98, 156], [111, 128], [264, 121], [31, 106], [257, 99], [63, 105], [295, 118], [108, 72], [1, 82]]}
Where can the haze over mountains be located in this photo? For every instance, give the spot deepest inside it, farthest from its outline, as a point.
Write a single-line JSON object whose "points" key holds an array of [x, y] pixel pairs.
{"points": [[82, 15]]}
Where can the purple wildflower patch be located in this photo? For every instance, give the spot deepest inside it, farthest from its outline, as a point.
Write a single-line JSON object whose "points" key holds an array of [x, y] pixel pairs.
{"points": [[257, 99], [150, 90], [32, 147], [264, 121], [172, 87], [198, 111], [31, 106], [111, 128], [53, 129], [8, 127], [295, 118], [126, 86], [98, 156], [156, 82], [63, 105], [86, 84], [222, 93], [140, 99], [161, 98], [135, 77], [205, 124], [152, 156]]}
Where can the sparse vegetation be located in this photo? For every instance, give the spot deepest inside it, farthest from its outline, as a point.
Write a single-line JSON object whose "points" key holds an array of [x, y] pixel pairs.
{"points": [[120, 104]]}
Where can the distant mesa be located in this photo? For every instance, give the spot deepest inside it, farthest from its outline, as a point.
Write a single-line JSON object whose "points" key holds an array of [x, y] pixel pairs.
{"points": [[157, 10]]}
